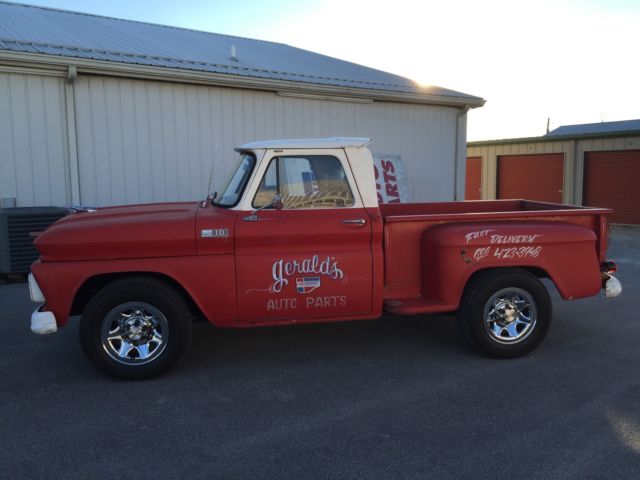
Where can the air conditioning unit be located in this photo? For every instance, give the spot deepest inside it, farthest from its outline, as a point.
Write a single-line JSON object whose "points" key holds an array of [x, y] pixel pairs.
{"points": [[18, 229]]}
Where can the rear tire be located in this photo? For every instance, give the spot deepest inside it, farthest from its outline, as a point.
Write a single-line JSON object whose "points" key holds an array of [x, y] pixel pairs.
{"points": [[136, 328], [505, 313]]}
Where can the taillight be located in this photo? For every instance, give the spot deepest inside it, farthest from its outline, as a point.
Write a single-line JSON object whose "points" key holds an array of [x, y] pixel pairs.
{"points": [[608, 267]]}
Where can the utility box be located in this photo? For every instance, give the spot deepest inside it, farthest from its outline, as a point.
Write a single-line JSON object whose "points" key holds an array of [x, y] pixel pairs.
{"points": [[18, 229]]}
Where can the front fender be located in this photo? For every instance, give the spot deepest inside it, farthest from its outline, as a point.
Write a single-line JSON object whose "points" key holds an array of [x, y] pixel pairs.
{"points": [[209, 280]]}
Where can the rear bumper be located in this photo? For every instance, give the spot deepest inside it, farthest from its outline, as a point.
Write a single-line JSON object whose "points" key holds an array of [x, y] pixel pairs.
{"points": [[612, 287], [43, 323]]}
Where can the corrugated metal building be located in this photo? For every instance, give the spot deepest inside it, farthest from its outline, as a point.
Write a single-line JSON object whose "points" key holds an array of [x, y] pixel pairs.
{"points": [[595, 164], [103, 111]]}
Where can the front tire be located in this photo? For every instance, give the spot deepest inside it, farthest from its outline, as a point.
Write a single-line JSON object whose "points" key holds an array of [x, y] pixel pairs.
{"points": [[136, 328], [505, 313]]}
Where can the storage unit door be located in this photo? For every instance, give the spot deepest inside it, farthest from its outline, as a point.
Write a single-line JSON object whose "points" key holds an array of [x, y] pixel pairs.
{"points": [[612, 180], [472, 189], [531, 177]]}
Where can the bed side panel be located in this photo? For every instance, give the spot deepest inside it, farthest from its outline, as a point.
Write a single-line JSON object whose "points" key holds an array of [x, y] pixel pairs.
{"points": [[453, 252]]}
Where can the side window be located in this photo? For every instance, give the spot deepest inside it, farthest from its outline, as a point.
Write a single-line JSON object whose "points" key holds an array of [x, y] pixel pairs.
{"points": [[313, 181], [268, 186]]}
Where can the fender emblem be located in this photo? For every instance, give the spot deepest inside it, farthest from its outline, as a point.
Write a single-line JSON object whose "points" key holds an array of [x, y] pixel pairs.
{"points": [[214, 233]]}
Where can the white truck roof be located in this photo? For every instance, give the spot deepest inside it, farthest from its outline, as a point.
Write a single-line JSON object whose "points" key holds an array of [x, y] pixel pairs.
{"points": [[302, 143]]}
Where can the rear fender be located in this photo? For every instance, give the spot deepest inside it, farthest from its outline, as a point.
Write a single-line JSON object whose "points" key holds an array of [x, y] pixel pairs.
{"points": [[453, 252]]}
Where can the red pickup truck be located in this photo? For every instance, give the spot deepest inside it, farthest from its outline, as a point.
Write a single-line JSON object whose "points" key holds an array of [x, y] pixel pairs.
{"points": [[297, 235]]}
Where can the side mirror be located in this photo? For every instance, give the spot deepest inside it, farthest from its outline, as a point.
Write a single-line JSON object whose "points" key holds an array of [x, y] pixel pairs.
{"points": [[275, 203]]}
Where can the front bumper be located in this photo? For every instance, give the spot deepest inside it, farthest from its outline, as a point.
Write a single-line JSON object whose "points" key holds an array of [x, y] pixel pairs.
{"points": [[34, 290], [43, 323]]}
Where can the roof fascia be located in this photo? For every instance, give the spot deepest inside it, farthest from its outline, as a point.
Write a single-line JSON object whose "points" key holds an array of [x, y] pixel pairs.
{"points": [[555, 138], [100, 67]]}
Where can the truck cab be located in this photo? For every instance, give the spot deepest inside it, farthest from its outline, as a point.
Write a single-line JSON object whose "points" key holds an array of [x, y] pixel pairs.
{"points": [[312, 258]]}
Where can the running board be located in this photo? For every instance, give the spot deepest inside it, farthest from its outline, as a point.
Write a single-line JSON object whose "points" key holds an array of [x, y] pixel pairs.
{"points": [[415, 306]]}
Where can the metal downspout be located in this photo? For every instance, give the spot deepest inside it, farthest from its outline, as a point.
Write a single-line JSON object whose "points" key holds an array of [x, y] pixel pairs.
{"points": [[72, 145], [459, 115]]}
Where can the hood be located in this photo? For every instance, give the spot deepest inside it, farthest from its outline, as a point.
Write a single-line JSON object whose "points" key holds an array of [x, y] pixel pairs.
{"points": [[136, 231]]}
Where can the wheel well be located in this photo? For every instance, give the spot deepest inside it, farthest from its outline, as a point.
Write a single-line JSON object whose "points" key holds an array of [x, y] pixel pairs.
{"points": [[535, 271], [94, 284]]}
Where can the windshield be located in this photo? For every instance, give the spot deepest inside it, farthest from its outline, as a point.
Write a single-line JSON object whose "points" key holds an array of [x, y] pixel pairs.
{"points": [[234, 186]]}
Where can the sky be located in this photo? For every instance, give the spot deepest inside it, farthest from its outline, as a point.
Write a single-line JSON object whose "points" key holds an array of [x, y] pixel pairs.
{"points": [[569, 61]]}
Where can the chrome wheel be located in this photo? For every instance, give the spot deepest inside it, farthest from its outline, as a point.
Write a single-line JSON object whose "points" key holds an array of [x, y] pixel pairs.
{"points": [[510, 315], [134, 333]]}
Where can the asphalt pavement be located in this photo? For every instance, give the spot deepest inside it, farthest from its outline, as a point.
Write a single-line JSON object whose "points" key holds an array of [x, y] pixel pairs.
{"points": [[391, 399]]}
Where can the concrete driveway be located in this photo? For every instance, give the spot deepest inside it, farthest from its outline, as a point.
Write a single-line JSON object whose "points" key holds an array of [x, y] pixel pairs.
{"points": [[396, 398]]}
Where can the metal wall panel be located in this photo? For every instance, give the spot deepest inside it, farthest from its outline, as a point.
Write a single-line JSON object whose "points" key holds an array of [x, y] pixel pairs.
{"points": [[33, 149], [148, 141]]}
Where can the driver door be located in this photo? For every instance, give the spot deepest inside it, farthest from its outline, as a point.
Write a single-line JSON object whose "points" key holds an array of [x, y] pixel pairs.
{"points": [[311, 259]]}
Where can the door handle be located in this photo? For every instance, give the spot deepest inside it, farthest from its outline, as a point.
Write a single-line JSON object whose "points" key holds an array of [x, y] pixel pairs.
{"points": [[357, 221]]}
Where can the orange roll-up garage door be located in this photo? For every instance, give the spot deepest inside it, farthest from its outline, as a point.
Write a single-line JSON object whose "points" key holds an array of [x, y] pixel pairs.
{"points": [[532, 177], [612, 180], [474, 172]]}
